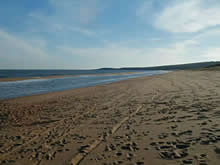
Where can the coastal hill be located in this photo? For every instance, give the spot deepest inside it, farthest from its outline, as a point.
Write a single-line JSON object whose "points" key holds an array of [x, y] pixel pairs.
{"points": [[172, 67], [213, 67]]}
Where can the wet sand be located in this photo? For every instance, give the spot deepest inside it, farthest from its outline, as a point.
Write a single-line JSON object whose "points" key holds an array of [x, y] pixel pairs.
{"points": [[31, 78], [63, 76], [159, 120]]}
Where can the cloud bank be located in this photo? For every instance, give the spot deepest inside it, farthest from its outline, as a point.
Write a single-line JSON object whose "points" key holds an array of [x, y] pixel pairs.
{"points": [[188, 16], [91, 34]]}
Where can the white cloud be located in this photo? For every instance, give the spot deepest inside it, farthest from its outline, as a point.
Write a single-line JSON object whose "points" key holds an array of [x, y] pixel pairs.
{"points": [[50, 26], [83, 11], [180, 17], [212, 54], [188, 16], [201, 47], [76, 16], [20, 44], [19, 53], [67, 17], [26, 53], [122, 55]]}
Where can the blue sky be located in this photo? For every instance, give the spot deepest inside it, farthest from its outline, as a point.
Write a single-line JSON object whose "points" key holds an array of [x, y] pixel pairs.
{"points": [[86, 34]]}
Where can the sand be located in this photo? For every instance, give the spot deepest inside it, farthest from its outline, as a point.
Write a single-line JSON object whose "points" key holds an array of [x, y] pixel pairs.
{"points": [[159, 120], [63, 76], [31, 78]]}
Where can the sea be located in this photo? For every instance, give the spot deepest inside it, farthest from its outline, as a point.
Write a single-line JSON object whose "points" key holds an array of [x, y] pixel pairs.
{"points": [[79, 79]]}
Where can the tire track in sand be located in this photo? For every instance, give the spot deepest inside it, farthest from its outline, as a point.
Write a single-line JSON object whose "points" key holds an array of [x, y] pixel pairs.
{"points": [[83, 153], [46, 132], [90, 147]]}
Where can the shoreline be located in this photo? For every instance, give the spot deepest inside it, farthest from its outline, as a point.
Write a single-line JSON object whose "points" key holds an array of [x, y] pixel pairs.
{"points": [[62, 93], [36, 87], [172, 118], [63, 76]]}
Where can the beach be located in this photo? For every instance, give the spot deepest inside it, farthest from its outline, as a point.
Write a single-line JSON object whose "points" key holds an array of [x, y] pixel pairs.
{"points": [[12, 79], [165, 119]]}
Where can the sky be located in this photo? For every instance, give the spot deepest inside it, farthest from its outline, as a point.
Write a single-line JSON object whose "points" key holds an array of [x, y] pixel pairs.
{"points": [[89, 34]]}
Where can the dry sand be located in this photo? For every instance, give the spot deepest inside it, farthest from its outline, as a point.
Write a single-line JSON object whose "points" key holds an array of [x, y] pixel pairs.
{"points": [[159, 120]]}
